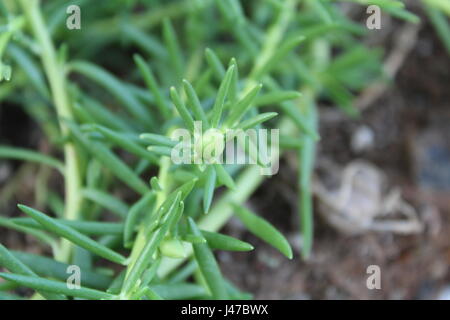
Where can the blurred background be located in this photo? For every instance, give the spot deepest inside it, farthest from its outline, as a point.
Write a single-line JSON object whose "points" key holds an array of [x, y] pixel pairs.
{"points": [[394, 157], [404, 132]]}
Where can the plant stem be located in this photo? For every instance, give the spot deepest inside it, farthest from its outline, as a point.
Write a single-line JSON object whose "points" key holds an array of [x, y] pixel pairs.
{"points": [[56, 78]]}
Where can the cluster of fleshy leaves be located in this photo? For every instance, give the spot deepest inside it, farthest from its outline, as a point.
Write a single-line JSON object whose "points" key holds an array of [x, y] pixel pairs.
{"points": [[115, 133]]}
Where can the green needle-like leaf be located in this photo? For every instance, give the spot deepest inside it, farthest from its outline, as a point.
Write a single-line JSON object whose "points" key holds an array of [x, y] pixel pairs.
{"points": [[264, 230], [214, 63], [10, 262], [223, 242], [32, 70], [47, 267], [102, 115], [234, 86], [154, 182], [210, 185], [208, 266], [126, 143], [151, 294], [85, 227], [440, 23], [195, 104], [152, 85], [172, 44], [256, 120], [223, 176], [182, 110], [56, 287], [178, 291], [144, 40], [116, 87], [73, 235], [158, 140], [38, 234], [106, 157], [242, 106], [186, 188], [30, 155], [107, 201], [162, 151], [276, 97], [216, 112]]}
